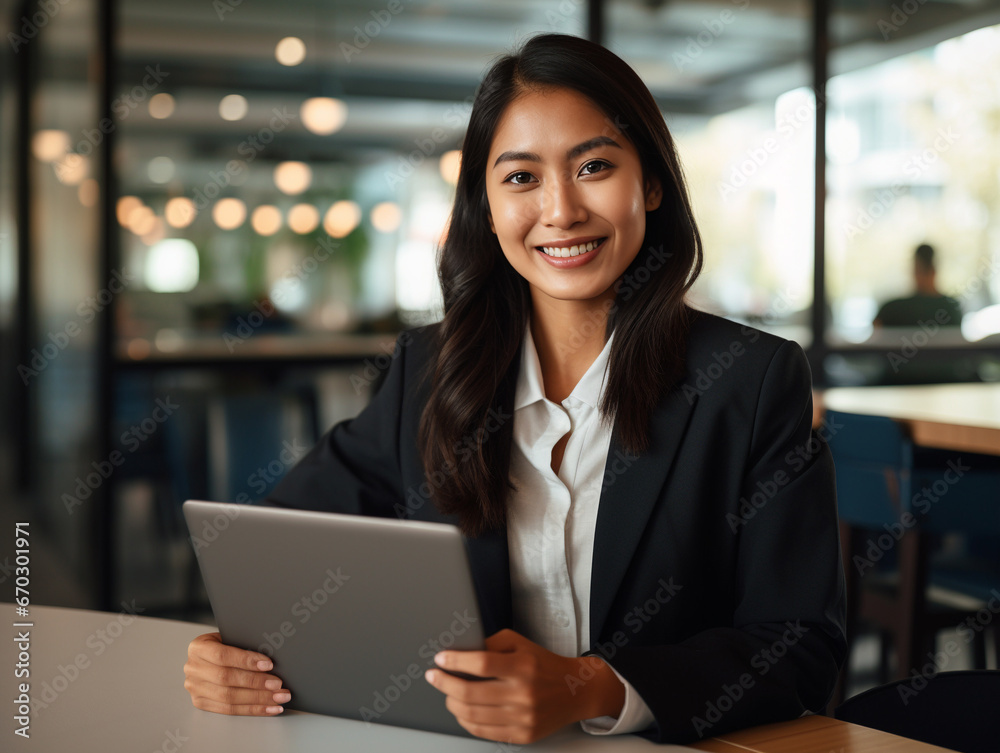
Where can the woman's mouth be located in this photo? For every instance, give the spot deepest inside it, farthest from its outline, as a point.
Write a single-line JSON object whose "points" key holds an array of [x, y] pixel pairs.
{"points": [[568, 251]]}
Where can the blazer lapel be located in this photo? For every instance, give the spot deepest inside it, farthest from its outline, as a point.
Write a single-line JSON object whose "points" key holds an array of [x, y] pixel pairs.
{"points": [[490, 565], [629, 493]]}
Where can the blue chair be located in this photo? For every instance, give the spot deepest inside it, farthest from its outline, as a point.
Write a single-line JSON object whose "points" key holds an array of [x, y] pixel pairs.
{"points": [[896, 502], [254, 439], [955, 710]]}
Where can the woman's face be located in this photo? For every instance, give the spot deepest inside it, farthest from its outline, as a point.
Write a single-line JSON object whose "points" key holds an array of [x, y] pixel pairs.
{"points": [[566, 193]]}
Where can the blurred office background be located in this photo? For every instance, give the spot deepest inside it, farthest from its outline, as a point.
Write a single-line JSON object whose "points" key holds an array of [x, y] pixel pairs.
{"points": [[216, 214]]}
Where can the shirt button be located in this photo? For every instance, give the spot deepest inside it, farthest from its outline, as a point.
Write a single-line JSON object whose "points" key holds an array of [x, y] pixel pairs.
{"points": [[562, 619]]}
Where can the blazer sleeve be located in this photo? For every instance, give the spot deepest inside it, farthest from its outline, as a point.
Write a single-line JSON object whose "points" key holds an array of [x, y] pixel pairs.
{"points": [[780, 657], [355, 467]]}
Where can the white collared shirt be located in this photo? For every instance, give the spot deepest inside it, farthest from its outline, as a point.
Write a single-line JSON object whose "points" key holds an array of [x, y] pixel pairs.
{"points": [[551, 519]]}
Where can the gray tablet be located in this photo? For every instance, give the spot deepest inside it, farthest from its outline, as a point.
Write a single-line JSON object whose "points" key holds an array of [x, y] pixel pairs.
{"points": [[352, 609]]}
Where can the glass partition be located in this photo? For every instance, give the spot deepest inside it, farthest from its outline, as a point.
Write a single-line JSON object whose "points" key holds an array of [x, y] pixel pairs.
{"points": [[913, 225], [733, 81], [60, 372]]}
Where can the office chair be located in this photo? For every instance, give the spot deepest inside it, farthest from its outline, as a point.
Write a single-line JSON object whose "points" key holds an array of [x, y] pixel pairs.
{"points": [[253, 439], [955, 710], [895, 501]]}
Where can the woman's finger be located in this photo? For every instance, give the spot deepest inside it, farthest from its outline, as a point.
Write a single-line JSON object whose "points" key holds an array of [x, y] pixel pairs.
{"points": [[237, 696], [198, 669], [221, 707], [210, 648]]}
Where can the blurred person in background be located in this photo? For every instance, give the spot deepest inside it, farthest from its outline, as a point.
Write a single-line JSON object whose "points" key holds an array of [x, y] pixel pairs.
{"points": [[926, 304]]}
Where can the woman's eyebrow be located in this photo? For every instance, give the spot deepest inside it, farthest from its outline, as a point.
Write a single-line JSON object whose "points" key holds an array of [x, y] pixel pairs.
{"points": [[575, 151]]}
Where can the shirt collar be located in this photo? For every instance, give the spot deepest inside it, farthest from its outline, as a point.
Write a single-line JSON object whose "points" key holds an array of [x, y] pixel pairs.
{"points": [[529, 389]]}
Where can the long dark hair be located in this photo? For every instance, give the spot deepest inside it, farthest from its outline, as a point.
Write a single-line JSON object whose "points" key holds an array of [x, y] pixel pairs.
{"points": [[466, 430]]}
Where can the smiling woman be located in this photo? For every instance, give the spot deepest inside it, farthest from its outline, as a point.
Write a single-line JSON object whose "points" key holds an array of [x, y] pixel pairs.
{"points": [[620, 585]]}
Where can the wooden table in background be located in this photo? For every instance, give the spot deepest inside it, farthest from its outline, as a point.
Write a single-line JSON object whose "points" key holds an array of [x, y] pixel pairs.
{"points": [[963, 417], [813, 734]]}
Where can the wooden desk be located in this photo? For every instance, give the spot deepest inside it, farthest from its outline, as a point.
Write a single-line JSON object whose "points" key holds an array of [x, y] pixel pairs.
{"points": [[964, 417], [813, 734]]}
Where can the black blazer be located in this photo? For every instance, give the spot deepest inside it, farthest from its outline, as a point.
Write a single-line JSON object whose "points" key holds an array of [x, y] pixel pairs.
{"points": [[717, 587]]}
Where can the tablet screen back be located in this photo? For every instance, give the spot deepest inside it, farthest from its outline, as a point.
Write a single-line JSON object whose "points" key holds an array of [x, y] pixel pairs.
{"points": [[352, 609]]}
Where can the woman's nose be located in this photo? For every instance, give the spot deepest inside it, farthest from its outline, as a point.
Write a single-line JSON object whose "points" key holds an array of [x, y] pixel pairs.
{"points": [[562, 205]]}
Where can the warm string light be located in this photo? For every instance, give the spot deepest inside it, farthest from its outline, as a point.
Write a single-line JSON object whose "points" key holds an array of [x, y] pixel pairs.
{"points": [[180, 212], [290, 51], [386, 216], [303, 218], [292, 178], [342, 218], [323, 115], [229, 213], [266, 220]]}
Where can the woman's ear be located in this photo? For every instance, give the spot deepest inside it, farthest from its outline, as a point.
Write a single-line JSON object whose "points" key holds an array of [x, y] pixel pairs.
{"points": [[489, 216], [654, 193]]}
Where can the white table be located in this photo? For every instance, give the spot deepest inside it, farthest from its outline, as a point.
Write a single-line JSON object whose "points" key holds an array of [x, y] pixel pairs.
{"points": [[115, 682], [121, 689]]}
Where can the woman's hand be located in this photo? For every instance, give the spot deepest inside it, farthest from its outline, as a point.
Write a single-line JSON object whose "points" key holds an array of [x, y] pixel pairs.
{"points": [[535, 692], [230, 680]]}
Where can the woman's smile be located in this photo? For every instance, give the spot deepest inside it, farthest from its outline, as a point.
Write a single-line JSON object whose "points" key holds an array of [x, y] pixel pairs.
{"points": [[574, 248]]}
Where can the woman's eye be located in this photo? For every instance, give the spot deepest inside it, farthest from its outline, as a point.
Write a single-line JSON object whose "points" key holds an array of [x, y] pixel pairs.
{"points": [[519, 179], [595, 166]]}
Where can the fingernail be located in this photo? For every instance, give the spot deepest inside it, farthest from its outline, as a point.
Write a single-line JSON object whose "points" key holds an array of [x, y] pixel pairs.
{"points": [[273, 684], [440, 658], [282, 697], [431, 675], [274, 709], [264, 665]]}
